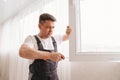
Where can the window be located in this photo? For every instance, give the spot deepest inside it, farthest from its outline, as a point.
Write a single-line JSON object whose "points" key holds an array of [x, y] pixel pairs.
{"points": [[96, 30]]}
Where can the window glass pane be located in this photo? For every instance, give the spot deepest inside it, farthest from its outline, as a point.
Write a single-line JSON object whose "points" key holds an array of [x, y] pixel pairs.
{"points": [[98, 26]]}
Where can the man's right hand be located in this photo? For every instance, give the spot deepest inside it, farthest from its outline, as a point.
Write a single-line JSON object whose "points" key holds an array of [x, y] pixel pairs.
{"points": [[56, 56]]}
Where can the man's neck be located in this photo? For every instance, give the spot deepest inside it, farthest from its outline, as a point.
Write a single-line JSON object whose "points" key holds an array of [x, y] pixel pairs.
{"points": [[41, 36]]}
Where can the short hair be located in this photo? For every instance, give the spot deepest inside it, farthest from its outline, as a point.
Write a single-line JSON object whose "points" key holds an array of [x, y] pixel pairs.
{"points": [[46, 16]]}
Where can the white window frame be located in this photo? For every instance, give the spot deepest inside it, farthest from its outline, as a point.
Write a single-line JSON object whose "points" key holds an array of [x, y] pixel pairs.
{"points": [[79, 56]]}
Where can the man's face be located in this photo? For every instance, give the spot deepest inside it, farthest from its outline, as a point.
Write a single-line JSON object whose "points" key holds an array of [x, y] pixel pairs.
{"points": [[46, 29]]}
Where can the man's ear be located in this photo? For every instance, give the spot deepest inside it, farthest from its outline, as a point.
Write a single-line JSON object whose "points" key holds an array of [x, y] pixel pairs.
{"points": [[39, 25]]}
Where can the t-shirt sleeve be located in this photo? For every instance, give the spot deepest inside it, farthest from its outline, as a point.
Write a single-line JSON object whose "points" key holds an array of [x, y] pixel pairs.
{"points": [[58, 39], [30, 41]]}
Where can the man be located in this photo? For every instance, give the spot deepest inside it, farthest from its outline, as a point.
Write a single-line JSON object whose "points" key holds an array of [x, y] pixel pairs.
{"points": [[41, 49]]}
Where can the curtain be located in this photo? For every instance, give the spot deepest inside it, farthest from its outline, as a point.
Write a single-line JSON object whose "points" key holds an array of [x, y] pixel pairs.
{"points": [[16, 29], [12, 35]]}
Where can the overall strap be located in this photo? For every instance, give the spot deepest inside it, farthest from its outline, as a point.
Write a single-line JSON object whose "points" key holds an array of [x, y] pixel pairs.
{"points": [[54, 44], [39, 44]]}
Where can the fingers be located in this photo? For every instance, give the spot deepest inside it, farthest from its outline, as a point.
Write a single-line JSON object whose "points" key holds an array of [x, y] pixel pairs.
{"points": [[68, 30], [68, 26], [56, 57]]}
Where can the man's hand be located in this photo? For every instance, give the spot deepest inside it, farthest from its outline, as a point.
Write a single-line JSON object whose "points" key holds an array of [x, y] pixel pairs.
{"points": [[56, 57], [67, 34], [68, 30]]}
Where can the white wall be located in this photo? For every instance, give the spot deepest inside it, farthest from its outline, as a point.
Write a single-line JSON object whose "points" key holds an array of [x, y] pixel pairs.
{"points": [[95, 71]]}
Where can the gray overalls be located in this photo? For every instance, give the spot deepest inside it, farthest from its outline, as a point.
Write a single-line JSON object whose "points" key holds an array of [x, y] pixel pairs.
{"points": [[44, 69]]}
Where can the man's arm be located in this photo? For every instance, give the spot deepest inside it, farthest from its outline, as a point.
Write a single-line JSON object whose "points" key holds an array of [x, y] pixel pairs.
{"points": [[67, 34], [29, 53]]}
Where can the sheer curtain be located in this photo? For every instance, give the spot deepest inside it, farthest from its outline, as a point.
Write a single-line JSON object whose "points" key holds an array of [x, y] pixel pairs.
{"points": [[12, 35], [14, 31]]}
